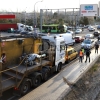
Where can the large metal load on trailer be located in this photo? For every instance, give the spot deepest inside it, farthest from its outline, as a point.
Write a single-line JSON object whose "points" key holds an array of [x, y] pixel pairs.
{"points": [[27, 60]]}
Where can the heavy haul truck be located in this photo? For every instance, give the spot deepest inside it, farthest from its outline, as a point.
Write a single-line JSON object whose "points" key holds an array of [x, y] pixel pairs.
{"points": [[28, 60]]}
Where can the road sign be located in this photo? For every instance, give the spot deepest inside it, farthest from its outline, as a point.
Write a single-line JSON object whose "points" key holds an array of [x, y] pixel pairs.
{"points": [[89, 10]]}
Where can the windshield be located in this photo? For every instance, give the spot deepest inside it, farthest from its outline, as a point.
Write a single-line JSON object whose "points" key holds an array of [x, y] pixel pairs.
{"points": [[87, 41]]}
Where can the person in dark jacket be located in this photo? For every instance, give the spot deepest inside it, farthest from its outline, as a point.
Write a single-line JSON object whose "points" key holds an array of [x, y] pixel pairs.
{"points": [[96, 47], [88, 52]]}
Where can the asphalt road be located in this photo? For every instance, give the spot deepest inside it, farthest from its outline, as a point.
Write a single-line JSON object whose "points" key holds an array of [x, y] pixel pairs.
{"points": [[8, 95]]}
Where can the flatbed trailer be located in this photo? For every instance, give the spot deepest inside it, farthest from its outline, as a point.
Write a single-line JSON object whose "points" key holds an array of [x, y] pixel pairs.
{"points": [[17, 67], [13, 73]]}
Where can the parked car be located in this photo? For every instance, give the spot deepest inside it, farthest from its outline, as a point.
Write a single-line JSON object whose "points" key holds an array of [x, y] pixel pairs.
{"points": [[88, 43], [89, 36], [78, 39], [98, 27], [78, 31], [96, 33], [71, 32], [71, 54]]}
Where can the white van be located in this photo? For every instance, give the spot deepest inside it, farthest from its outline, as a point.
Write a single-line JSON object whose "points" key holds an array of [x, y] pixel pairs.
{"points": [[68, 38]]}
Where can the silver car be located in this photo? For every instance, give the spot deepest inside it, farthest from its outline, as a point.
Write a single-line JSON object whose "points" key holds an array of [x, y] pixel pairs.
{"points": [[89, 36], [88, 43], [78, 31]]}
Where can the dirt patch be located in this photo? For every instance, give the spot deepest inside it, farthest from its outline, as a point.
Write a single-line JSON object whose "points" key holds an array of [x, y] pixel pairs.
{"points": [[88, 87]]}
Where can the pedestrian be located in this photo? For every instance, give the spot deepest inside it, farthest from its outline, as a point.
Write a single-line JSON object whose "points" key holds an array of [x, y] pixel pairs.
{"points": [[98, 38], [3, 58], [88, 52], [96, 47], [80, 55], [83, 52]]}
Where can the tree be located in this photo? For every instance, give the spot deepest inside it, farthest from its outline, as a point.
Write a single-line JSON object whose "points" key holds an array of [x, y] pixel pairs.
{"points": [[61, 21], [55, 15], [84, 21]]}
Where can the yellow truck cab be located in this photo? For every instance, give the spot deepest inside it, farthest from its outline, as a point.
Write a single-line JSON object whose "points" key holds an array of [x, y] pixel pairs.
{"points": [[71, 54]]}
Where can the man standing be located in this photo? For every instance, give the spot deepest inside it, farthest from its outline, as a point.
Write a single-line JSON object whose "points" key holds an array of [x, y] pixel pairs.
{"points": [[96, 47], [88, 52], [80, 55], [83, 52]]}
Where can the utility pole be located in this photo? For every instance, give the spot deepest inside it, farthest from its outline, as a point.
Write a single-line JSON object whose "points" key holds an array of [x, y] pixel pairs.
{"points": [[35, 19], [41, 21], [73, 19]]}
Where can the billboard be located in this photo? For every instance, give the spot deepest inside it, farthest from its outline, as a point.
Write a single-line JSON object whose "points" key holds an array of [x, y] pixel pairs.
{"points": [[89, 10]]}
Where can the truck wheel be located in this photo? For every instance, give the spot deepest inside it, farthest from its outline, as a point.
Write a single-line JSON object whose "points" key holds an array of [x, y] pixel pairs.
{"points": [[25, 87], [45, 72], [45, 78], [59, 67], [36, 81]]}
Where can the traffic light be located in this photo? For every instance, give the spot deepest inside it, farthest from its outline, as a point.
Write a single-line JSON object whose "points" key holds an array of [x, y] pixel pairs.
{"points": [[94, 17]]}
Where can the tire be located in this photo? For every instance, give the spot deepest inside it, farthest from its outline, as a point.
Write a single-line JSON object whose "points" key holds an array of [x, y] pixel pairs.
{"points": [[36, 81], [76, 56], [68, 61], [59, 67], [25, 87], [45, 73]]}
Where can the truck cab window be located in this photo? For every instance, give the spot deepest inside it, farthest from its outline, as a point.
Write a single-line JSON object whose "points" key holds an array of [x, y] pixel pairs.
{"points": [[62, 46]]}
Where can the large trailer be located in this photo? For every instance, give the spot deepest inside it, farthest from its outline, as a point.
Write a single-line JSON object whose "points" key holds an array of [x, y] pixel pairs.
{"points": [[27, 60], [5, 26]]}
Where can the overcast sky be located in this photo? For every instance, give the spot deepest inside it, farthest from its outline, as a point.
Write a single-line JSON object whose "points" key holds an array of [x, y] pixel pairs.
{"points": [[28, 5]]}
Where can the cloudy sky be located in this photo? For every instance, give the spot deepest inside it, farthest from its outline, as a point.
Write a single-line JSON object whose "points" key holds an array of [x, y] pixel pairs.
{"points": [[28, 5]]}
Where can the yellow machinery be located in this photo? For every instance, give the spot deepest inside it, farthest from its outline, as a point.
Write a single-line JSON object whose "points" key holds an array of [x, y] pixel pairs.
{"points": [[12, 72], [16, 50]]}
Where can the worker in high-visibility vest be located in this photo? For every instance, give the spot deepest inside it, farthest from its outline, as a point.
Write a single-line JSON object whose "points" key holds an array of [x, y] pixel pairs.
{"points": [[80, 55], [83, 52]]}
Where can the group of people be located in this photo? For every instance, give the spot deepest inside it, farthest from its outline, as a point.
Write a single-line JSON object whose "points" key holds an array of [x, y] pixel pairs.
{"points": [[87, 52]]}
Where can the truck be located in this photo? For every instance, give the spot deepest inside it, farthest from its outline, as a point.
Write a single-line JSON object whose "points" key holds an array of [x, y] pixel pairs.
{"points": [[28, 60], [15, 26], [68, 38], [5, 26]]}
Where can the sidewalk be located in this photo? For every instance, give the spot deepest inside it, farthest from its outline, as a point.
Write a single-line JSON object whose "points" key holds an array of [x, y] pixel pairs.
{"points": [[56, 88]]}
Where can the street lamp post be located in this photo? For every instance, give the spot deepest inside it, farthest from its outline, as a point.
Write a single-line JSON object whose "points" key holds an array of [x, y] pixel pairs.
{"points": [[35, 19]]}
